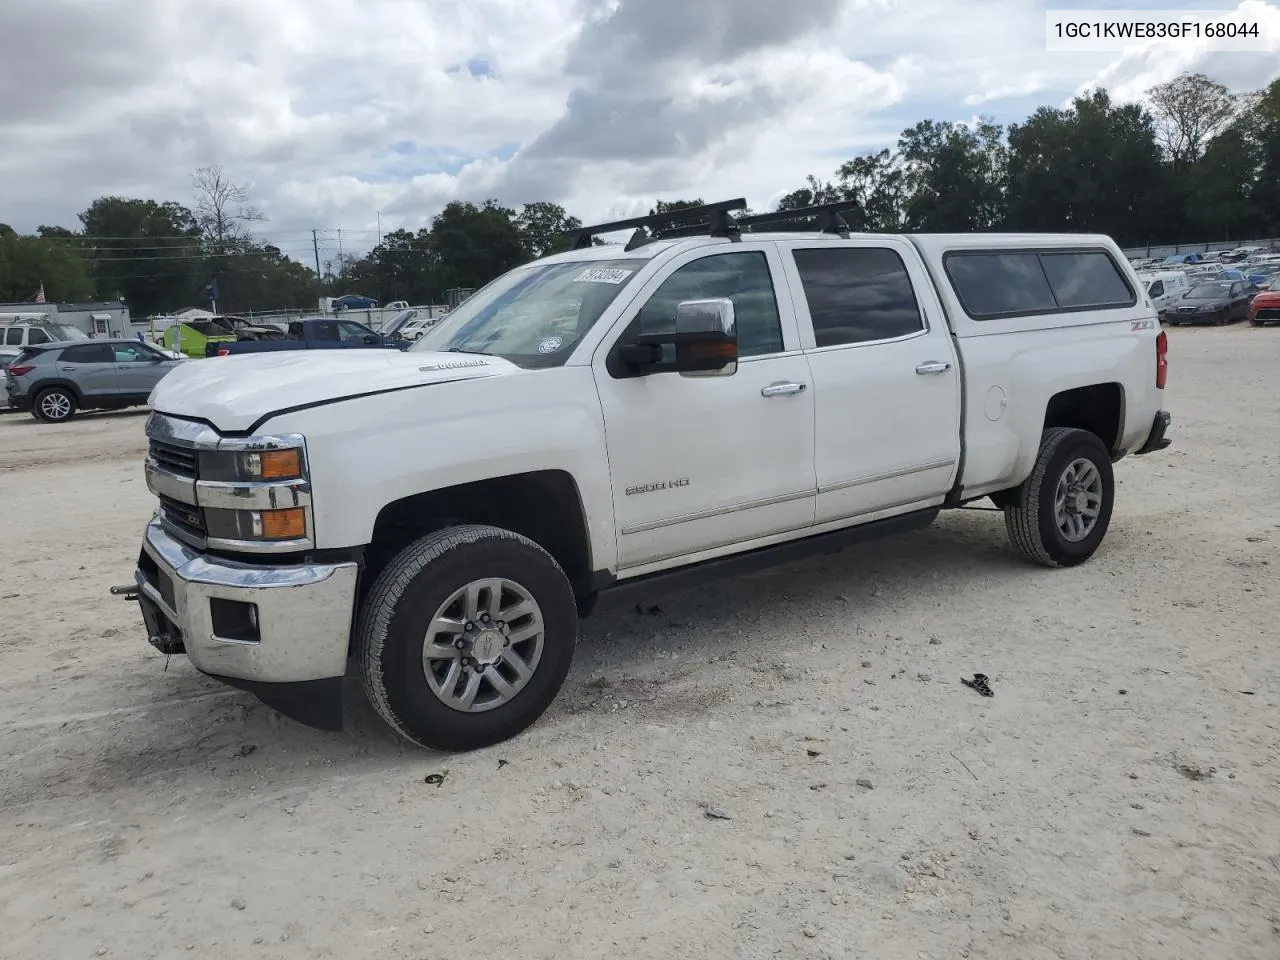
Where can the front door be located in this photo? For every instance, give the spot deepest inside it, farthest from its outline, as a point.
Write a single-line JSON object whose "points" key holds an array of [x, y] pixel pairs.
{"points": [[91, 367], [139, 368], [885, 376], [703, 462]]}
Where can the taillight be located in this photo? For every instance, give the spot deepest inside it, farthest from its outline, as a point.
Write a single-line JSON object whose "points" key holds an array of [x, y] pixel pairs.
{"points": [[1162, 359], [224, 352], [21, 369]]}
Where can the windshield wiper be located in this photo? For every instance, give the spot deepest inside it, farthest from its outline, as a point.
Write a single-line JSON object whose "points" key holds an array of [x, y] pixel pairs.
{"points": [[478, 353]]}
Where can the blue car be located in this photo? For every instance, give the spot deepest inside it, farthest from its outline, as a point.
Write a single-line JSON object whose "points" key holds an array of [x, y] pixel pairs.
{"points": [[353, 301]]}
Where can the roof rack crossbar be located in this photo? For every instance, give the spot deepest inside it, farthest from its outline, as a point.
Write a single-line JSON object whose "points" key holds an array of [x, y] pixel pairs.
{"points": [[583, 236], [828, 214]]}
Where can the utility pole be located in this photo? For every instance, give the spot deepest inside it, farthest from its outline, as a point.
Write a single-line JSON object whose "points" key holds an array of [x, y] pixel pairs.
{"points": [[379, 228], [339, 247], [315, 248]]}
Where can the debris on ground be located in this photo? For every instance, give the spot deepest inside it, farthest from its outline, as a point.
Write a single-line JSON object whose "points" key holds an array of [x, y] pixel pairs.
{"points": [[712, 812], [247, 748], [435, 779], [979, 683], [1193, 772], [865, 783]]}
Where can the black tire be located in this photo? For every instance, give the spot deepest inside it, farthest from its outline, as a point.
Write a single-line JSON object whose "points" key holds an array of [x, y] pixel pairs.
{"points": [[1032, 522], [54, 405], [392, 630]]}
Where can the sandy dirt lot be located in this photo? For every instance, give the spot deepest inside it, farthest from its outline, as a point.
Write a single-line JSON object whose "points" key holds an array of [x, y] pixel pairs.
{"points": [[1118, 797]]}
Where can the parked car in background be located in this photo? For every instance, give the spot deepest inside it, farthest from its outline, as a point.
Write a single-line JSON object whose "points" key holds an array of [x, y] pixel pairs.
{"points": [[1218, 302], [410, 324], [1269, 278], [352, 301], [18, 332], [1164, 288], [1265, 308], [317, 333], [54, 380]]}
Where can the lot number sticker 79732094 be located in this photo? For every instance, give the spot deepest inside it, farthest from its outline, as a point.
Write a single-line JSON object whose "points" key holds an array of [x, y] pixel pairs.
{"points": [[602, 275]]}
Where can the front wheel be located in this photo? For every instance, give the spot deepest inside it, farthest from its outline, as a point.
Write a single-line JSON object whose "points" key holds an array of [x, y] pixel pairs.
{"points": [[1063, 509], [466, 637]]}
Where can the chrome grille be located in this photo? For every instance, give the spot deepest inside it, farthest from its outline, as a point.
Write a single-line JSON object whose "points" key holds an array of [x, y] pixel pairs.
{"points": [[185, 517], [175, 459]]}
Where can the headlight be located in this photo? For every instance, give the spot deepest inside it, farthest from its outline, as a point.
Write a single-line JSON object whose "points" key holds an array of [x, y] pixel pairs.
{"points": [[257, 525], [228, 466]]}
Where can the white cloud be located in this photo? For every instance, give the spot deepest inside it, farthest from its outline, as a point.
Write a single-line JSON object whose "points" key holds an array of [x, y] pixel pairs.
{"points": [[337, 109]]}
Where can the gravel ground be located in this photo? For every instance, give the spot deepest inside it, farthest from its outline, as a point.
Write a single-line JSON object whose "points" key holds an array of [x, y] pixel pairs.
{"points": [[785, 765]]}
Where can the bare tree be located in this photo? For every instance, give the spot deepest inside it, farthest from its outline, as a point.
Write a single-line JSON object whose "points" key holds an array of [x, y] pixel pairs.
{"points": [[222, 208], [1190, 111]]}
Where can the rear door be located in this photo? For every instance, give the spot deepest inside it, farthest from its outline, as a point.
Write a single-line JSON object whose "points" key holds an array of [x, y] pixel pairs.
{"points": [[91, 367], [885, 377]]}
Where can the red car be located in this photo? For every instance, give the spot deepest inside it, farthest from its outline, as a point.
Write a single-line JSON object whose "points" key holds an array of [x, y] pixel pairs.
{"points": [[1265, 308]]}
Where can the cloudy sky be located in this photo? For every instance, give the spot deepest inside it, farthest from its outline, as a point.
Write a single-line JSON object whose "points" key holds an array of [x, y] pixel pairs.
{"points": [[336, 110]]}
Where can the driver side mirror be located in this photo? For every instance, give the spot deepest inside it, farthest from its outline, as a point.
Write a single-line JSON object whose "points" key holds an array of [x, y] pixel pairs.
{"points": [[705, 342]]}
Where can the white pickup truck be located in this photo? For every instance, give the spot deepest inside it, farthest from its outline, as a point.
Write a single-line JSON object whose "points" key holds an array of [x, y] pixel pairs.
{"points": [[618, 420]]}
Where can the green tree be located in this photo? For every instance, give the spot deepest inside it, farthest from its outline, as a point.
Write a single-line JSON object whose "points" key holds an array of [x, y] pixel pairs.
{"points": [[147, 253], [26, 263], [404, 266], [474, 244], [1190, 110], [877, 182], [1263, 127], [545, 228], [954, 176], [1095, 167]]}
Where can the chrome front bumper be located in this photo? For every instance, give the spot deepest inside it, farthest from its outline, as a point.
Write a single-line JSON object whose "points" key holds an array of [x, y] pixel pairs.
{"points": [[303, 612]]}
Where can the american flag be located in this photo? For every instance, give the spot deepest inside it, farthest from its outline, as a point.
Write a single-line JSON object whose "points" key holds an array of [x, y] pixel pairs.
{"points": [[39, 297]]}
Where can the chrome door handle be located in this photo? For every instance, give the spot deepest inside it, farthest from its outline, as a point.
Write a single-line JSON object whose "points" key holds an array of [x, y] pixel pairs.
{"points": [[781, 389], [933, 366]]}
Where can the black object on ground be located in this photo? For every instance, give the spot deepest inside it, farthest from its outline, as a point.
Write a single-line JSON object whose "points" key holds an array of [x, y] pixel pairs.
{"points": [[979, 683]]}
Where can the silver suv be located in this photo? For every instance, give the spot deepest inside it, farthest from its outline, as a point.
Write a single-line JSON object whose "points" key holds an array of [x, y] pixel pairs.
{"points": [[54, 380]]}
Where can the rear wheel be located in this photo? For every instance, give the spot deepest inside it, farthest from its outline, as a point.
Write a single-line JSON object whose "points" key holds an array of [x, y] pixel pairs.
{"points": [[466, 637], [54, 405], [1063, 509]]}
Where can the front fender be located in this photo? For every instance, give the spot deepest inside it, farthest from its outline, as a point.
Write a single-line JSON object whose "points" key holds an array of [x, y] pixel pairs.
{"points": [[374, 450]]}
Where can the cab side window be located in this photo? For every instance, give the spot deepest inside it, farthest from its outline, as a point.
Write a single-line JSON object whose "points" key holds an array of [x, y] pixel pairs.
{"points": [[741, 277], [1157, 289]]}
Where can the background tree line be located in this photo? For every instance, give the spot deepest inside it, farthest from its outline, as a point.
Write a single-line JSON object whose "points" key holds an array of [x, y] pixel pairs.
{"points": [[1194, 163]]}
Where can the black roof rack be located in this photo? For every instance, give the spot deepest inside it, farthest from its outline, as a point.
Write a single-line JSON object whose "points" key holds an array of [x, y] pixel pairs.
{"points": [[717, 215], [713, 220], [828, 214]]}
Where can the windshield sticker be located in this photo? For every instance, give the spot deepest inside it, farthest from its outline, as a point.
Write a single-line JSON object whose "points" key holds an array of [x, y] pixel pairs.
{"points": [[602, 275], [550, 345]]}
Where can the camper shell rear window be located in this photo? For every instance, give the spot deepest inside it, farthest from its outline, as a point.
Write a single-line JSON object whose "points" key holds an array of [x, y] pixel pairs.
{"points": [[999, 284]]}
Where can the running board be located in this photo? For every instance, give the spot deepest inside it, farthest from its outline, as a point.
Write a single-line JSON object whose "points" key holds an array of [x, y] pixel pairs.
{"points": [[611, 593]]}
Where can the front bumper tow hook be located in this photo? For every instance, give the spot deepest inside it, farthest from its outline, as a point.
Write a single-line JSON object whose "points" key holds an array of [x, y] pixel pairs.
{"points": [[128, 590]]}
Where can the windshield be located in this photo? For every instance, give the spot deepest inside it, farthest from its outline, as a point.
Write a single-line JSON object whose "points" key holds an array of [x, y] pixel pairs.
{"points": [[533, 316], [64, 331], [1209, 291]]}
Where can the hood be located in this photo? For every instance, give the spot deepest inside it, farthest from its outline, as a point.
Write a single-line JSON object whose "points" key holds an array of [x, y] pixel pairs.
{"points": [[235, 392], [1200, 306], [1268, 298]]}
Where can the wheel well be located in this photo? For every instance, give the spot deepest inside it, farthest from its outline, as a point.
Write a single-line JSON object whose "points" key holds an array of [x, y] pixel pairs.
{"points": [[1097, 408], [543, 506], [44, 385]]}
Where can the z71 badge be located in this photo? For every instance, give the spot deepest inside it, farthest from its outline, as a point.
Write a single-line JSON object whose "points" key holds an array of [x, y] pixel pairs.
{"points": [[1143, 324], [660, 485]]}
